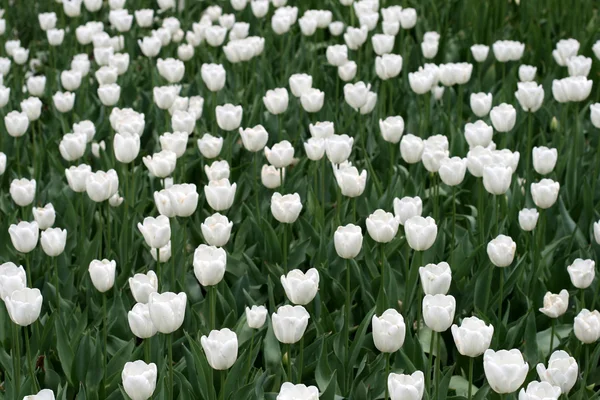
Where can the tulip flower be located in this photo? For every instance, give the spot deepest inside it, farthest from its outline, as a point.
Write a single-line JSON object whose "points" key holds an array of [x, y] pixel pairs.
{"points": [[338, 148], [435, 278], [348, 241], [289, 323], [301, 288], [276, 101], [420, 232], [473, 337], [102, 274], [44, 394], [286, 208], [183, 199], [406, 387], [217, 170], [161, 164], [501, 251], [271, 177], [209, 264], [565, 49], [545, 193], [300, 84], [139, 379], [530, 96], [452, 170], [220, 194], [126, 147], [508, 50], [100, 185], [221, 348], [544, 159], [24, 306], [527, 73], [528, 218], [142, 285], [280, 155], [229, 117], [24, 236], [539, 391], [587, 326], [480, 52], [478, 134], [53, 241], [503, 117], [497, 178], [210, 146], [571, 89], [256, 316], [562, 371], [156, 231], [11, 278], [351, 184], [139, 321], [216, 230], [582, 273], [411, 148], [167, 310], [388, 331], [481, 104], [312, 100], [555, 305], [314, 148], [438, 311], [505, 370], [407, 207], [254, 139], [22, 191]]}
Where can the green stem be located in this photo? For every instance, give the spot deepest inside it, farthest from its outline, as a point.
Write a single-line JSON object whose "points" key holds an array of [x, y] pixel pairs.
{"points": [[480, 213], [387, 373], [383, 275], [438, 363], [430, 362], [453, 225], [285, 248], [289, 362], [108, 231], [301, 361], [256, 187], [528, 166], [214, 104], [347, 315], [105, 338], [184, 251], [222, 389], [279, 130], [148, 350], [501, 294], [213, 306], [552, 336], [36, 386], [250, 355], [56, 285], [323, 166], [16, 359], [470, 388], [170, 349]]}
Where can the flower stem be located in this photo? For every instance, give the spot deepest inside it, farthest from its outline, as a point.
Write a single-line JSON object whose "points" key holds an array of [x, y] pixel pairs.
{"points": [[301, 361], [16, 359], [453, 243], [501, 294], [387, 373], [56, 285], [108, 230], [250, 354], [480, 213], [285, 248], [170, 350], [289, 364], [105, 338], [347, 316], [36, 386], [256, 187], [470, 388], [383, 274], [147, 350], [222, 394], [213, 306], [438, 362], [430, 361], [552, 336]]}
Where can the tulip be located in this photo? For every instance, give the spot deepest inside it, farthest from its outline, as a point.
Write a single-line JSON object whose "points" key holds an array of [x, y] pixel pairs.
{"points": [[289, 323], [571, 89], [286, 208], [473, 337], [527, 73], [289, 391], [411, 148], [254, 139], [382, 226], [175, 142], [544, 159], [555, 305], [72, 146], [97, 147], [438, 311], [102, 274], [429, 48], [314, 148], [210, 146], [167, 310], [156, 231], [150, 46], [347, 72], [338, 148], [337, 55], [221, 348], [216, 230], [2, 163], [109, 94], [481, 103], [24, 306], [47, 20], [508, 50], [276, 101], [16, 123], [126, 147], [356, 37], [530, 96], [497, 178], [170, 69], [20, 55], [528, 218], [220, 194], [348, 241], [161, 164], [36, 85], [478, 134], [53, 241], [142, 285], [582, 273], [406, 387], [408, 18], [217, 170], [271, 177], [452, 170], [595, 114], [420, 232], [139, 379], [127, 120], [392, 129], [545, 193], [22, 191], [256, 316], [308, 25], [435, 278], [480, 52], [229, 117], [597, 232], [300, 84], [407, 207], [164, 96], [356, 94], [382, 44], [562, 371], [71, 80], [389, 331], [139, 321], [312, 100], [350, 182], [579, 66], [501, 250], [540, 391], [503, 117], [505, 370], [185, 52], [565, 49], [209, 264], [260, 8], [587, 326], [11, 278], [301, 288], [77, 177], [44, 394], [63, 101], [4, 97], [32, 106], [24, 236]]}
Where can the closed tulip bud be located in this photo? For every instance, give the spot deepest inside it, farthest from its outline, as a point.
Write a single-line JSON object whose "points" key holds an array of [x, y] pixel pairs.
{"points": [[55, 36], [392, 129], [314, 148], [348, 241], [338, 148], [337, 55], [473, 337], [217, 170], [356, 94], [53, 241], [70, 80], [478, 134], [497, 178], [505, 370], [350, 182], [24, 306], [161, 164], [322, 130], [216, 230], [347, 71], [72, 146], [280, 155], [388, 66], [44, 394], [183, 199], [438, 311], [220, 194], [210, 146], [170, 69], [126, 147], [408, 18], [421, 81], [254, 139], [596, 49], [544, 159], [565, 49], [527, 73], [36, 85], [167, 310], [140, 322], [286, 209], [530, 96], [271, 177], [20, 55], [382, 44], [300, 84], [356, 37], [562, 371], [480, 52], [597, 232], [452, 170], [156, 231], [390, 27], [175, 142], [289, 391], [382, 226], [501, 250], [260, 8], [481, 103], [22, 191], [92, 5], [312, 100], [115, 200], [164, 96], [72, 8], [389, 331], [142, 285], [165, 5], [407, 207], [369, 104], [139, 379], [11, 278], [100, 185], [150, 46], [420, 232], [32, 107], [276, 101], [102, 274], [411, 148], [435, 278], [406, 387], [308, 25], [185, 52], [503, 117], [229, 117], [587, 326], [555, 305], [77, 177], [109, 94], [540, 391], [16, 123], [429, 49], [301, 288], [209, 264], [528, 218], [545, 193], [289, 323], [63, 101], [221, 348], [582, 273], [47, 20], [256, 316], [508, 50]]}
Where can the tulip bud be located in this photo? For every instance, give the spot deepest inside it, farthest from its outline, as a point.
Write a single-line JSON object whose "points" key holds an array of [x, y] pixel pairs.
{"points": [[142, 285], [100, 185], [587, 326], [301, 288], [260, 8], [210, 146], [347, 71], [16, 123], [503, 117], [216, 230], [406, 387], [480, 52], [139, 379], [286, 209], [63, 101], [139, 321], [167, 310], [473, 337], [11, 278], [32, 107], [501, 250], [36, 85], [565, 49], [254, 139], [214, 76], [77, 177], [497, 178], [528, 218], [350, 182], [22, 191], [209, 264], [382, 226], [530, 96], [407, 207], [338, 148], [411, 148], [544, 159], [161, 164], [221, 348], [505, 370], [582, 273], [508, 50], [281, 154], [289, 323], [314, 148], [44, 394], [356, 94], [220, 194], [276, 101], [348, 241], [452, 170], [337, 55], [478, 134], [24, 306], [392, 129], [312, 100], [53, 241], [389, 331], [435, 278], [420, 232], [527, 73], [545, 193], [562, 371], [256, 316], [382, 44], [126, 147], [438, 311], [24, 236], [150, 46], [102, 274]]}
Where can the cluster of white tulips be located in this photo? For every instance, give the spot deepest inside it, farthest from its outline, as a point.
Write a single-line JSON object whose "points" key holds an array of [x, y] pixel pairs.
{"points": [[122, 115]]}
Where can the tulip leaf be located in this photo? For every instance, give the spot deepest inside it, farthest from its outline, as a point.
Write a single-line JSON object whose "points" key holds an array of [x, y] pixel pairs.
{"points": [[65, 353]]}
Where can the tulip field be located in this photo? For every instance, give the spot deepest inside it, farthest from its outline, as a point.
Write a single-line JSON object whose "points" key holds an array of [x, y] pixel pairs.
{"points": [[299, 200]]}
